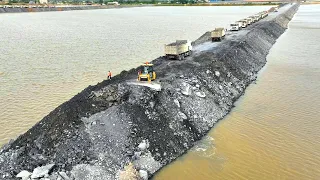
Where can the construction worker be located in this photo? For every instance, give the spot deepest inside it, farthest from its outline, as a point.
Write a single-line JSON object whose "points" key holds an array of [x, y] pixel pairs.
{"points": [[109, 75]]}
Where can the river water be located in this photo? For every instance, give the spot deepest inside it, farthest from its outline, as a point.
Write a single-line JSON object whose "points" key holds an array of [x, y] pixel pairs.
{"points": [[46, 58], [273, 133]]}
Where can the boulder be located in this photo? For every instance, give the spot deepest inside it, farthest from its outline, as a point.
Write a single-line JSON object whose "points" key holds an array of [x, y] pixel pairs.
{"points": [[186, 89], [143, 145], [42, 171], [217, 73], [176, 101], [64, 176], [143, 174], [111, 98], [183, 116], [200, 94], [24, 175]]}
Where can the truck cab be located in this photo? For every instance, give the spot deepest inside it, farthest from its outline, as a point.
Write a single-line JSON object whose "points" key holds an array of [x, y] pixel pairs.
{"points": [[235, 27], [243, 23]]}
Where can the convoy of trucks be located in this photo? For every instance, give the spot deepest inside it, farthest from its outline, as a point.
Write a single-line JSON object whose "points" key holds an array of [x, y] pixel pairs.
{"points": [[182, 48], [178, 50], [243, 23]]}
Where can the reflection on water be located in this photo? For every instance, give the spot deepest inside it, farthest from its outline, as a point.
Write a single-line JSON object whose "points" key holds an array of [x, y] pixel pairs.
{"points": [[273, 133], [46, 58]]}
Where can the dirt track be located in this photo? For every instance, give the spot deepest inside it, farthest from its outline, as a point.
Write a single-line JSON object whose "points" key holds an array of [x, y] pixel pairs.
{"points": [[97, 133]]}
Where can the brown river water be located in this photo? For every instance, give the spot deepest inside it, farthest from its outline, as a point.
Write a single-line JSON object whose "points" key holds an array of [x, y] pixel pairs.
{"points": [[46, 58], [274, 130]]}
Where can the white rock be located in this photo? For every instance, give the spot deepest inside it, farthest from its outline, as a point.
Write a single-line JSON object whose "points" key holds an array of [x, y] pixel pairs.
{"points": [[152, 104], [183, 116], [220, 87], [200, 94], [197, 85], [143, 145], [41, 171], [64, 175], [217, 73], [143, 174], [186, 89], [24, 175], [208, 71], [176, 101]]}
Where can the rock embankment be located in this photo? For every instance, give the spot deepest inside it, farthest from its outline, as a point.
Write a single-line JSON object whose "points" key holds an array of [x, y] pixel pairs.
{"points": [[118, 130]]}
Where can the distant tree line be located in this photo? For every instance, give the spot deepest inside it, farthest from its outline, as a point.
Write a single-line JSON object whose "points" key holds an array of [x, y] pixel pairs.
{"points": [[106, 1]]}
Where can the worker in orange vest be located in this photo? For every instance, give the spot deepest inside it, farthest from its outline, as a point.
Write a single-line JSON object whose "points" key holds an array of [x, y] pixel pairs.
{"points": [[109, 75]]}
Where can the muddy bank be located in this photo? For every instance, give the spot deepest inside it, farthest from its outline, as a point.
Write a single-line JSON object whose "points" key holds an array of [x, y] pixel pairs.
{"points": [[19, 10], [114, 124]]}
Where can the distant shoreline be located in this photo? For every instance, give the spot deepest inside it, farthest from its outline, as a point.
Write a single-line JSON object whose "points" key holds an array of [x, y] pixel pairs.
{"points": [[66, 8], [75, 7], [226, 4]]}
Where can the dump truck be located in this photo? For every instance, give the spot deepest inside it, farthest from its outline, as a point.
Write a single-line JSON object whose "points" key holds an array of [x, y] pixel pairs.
{"points": [[263, 14], [254, 18], [249, 21], [178, 50], [258, 17], [218, 34], [235, 27], [243, 23]]}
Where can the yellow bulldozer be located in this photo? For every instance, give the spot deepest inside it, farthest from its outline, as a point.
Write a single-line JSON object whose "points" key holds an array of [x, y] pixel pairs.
{"points": [[147, 73]]}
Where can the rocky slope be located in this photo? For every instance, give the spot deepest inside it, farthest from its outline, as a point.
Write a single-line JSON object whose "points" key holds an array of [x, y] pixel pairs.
{"points": [[115, 127]]}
